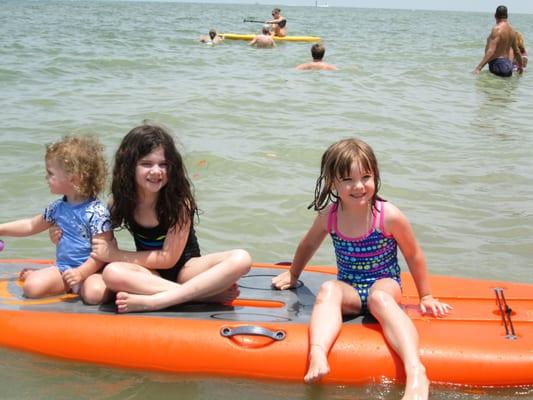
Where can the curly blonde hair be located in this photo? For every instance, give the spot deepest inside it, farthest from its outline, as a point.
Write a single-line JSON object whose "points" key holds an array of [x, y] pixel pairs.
{"points": [[81, 157], [520, 41]]}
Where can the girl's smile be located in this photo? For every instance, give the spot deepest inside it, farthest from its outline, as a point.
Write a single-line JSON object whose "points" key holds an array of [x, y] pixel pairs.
{"points": [[151, 171], [358, 185]]}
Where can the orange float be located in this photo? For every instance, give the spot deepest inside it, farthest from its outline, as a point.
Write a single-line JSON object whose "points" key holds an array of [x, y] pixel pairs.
{"points": [[487, 340]]}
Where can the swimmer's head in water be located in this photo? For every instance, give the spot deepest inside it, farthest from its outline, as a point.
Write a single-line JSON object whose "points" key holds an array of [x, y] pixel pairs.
{"points": [[212, 33], [317, 51], [266, 29]]}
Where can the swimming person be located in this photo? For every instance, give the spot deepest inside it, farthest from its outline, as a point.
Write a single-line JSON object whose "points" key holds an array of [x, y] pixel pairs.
{"points": [[366, 231], [264, 40], [501, 43], [76, 170], [212, 38], [278, 22], [152, 198], [317, 52]]}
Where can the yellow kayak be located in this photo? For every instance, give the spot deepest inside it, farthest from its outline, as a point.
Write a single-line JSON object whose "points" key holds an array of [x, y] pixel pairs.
{"points": [[250, 36]]}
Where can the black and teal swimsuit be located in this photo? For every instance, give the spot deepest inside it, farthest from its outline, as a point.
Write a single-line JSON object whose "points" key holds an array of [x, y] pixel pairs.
{"points": [[153, 239]]}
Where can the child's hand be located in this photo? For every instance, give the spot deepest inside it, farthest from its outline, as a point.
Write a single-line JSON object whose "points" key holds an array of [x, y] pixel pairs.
{"points": [[104, 250], [72, 277], [285, 280], [55, 233], [430, 304]]}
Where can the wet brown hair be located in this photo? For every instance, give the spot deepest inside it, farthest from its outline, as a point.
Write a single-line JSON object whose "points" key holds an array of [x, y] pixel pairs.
{"points": [[337, 162], [81, 157], [317, 51], [175, 203]]}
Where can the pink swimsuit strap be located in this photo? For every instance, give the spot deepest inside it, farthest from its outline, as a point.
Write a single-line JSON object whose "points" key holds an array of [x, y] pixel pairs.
{"points": [[381, 205]]}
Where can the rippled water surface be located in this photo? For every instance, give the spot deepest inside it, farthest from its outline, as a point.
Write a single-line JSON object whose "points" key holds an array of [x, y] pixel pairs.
{"points": [[455, 150]]}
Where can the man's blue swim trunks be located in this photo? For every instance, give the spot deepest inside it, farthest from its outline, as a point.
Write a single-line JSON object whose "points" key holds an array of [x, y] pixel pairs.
{"points": [[501, 67]]}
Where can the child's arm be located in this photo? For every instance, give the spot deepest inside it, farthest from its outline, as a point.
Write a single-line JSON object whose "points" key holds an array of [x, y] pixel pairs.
{"points": [[397, 224], [166, 257], [74, 276], [306, 249], [55, 233], [24, 227]]}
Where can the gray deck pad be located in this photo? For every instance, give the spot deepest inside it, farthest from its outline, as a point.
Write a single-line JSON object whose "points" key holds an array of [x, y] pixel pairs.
{"points": [[295, 305]]}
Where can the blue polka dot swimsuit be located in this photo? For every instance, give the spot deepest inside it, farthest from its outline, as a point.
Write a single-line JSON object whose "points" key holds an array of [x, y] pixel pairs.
{"points": [[364, 260]]}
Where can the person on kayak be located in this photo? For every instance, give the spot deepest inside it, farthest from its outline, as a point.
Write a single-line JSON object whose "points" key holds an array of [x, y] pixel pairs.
{"points": [[278, 22]]}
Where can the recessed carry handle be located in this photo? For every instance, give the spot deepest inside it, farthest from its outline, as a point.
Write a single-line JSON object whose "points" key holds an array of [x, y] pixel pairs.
{"points": [[252, 330]]}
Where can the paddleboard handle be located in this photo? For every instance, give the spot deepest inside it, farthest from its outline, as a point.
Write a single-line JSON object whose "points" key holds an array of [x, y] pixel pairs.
{"points": [[252, 330], [2, 245]]}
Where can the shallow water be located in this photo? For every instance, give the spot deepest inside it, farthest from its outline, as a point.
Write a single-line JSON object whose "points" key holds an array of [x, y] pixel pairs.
{"points": [[454, 149]]}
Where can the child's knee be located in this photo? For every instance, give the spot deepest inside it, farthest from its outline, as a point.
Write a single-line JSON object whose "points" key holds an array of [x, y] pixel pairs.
{"points": [[33, 289], [92, 297], [242, 259], [93, 292], [329, 291], [379, 299], [112, 274]]}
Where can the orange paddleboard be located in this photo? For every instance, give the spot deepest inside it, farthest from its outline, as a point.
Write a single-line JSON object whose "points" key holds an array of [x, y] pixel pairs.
{"points": [[264, 333]]}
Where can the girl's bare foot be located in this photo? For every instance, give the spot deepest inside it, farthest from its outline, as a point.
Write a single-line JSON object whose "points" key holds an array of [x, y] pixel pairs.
{"points": [[23, 275], [318, 364], [417, 385], [226, 296], [127, 302]]}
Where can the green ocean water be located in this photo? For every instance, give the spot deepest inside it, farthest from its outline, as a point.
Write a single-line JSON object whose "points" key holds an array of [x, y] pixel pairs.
{"points": [[455, 149]]}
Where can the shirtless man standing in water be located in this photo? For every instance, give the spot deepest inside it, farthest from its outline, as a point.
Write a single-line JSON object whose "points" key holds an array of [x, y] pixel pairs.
{"points": [[500, 45]]}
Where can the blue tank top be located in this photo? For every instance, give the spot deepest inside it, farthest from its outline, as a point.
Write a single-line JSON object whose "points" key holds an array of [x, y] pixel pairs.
{"points": [[362, 261]]}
